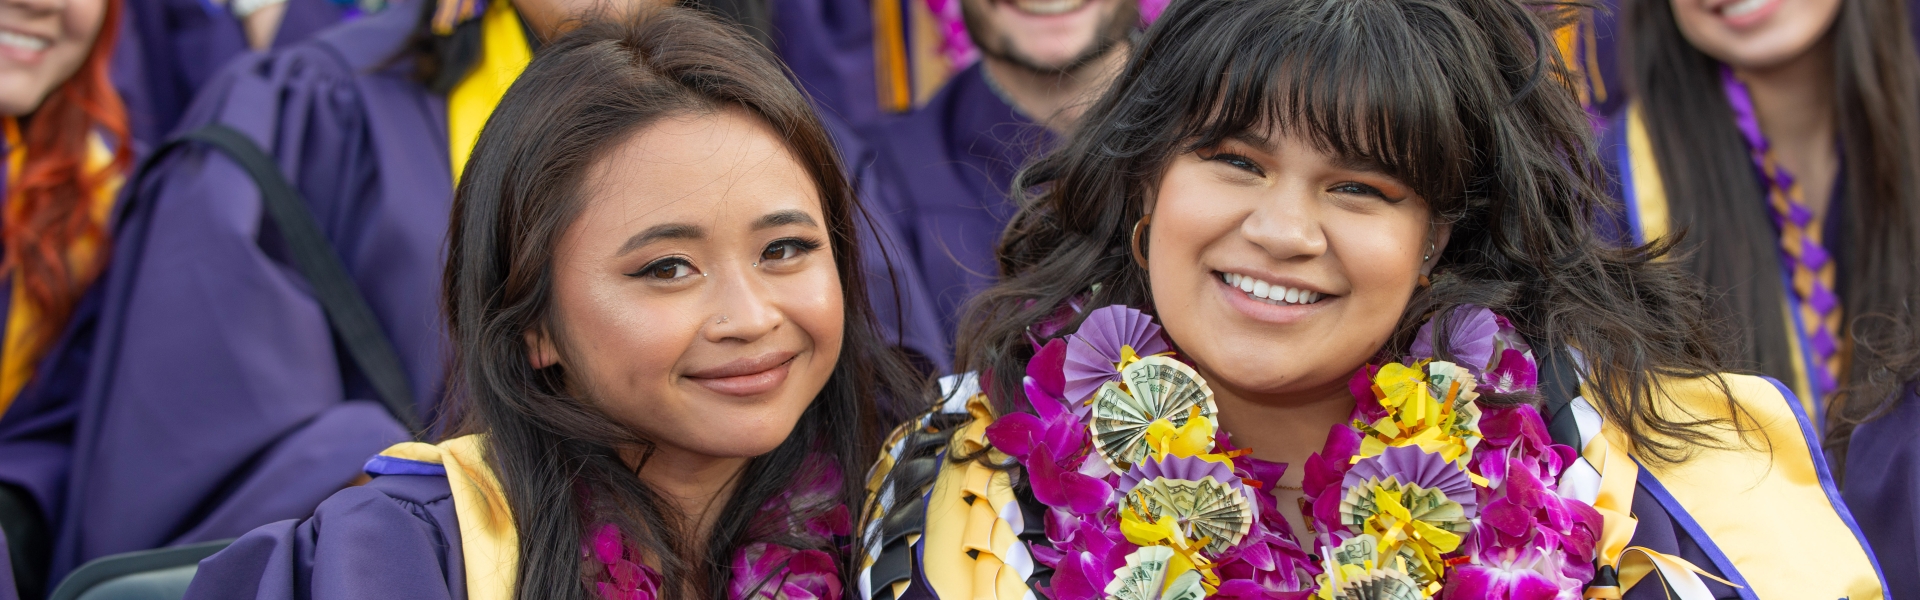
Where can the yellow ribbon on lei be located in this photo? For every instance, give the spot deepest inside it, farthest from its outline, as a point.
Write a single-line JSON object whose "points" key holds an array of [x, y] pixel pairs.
{"points": [[17, 363], [504, 54]]}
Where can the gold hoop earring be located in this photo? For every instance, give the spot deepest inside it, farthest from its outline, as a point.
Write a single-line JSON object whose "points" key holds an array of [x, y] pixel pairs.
{"points": [[1139, 257]]}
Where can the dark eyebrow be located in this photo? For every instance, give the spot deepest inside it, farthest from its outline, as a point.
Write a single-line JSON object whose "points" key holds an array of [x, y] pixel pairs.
{"points": [[667, 231], [790, 216]]}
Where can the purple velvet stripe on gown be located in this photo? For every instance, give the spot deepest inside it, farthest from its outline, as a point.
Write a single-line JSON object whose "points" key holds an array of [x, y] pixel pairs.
{"points": [[1883, 490], [945, 170], [396, 537], [169, 49], [828, 44], [218, 402]]}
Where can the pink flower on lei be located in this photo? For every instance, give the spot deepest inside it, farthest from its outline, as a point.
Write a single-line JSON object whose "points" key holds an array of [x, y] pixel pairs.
{"points": [[627, 578], [1051, 442], [1516, 574], [1521, 512], [775, 572], [1486, 344]]}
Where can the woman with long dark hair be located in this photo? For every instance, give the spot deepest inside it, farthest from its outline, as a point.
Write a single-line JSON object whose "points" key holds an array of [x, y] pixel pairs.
{"points": [[65, 152], [665, 363], [1313, 301], [1778, 142]]}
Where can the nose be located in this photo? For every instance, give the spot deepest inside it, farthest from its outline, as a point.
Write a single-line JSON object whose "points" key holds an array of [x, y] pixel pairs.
{"points": [[1287, 225], [745, 309]]}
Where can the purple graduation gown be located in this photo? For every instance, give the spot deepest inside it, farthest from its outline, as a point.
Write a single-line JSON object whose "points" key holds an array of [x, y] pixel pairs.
{"points": [[828, 44], [217, 400], [944, 174], [396, 537], [169, 49], [1883, 489]]}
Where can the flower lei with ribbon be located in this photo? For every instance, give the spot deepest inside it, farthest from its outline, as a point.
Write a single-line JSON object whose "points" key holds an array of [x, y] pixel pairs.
{"points": [[1426, 492], [810, 513]]}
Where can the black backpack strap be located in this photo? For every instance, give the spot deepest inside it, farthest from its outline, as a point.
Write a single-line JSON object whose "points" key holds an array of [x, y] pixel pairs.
{"points": [[348, 314]]}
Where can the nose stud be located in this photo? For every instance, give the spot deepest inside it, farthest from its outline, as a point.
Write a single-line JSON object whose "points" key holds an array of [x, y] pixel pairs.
{"points": [[723, 319]]}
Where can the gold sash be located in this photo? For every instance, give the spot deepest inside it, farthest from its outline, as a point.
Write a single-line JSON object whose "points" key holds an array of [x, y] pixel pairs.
{"points": [[490, 547]]}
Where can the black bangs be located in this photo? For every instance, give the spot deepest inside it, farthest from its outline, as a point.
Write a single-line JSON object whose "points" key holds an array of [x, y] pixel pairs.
{"points": [[1373, 81]]}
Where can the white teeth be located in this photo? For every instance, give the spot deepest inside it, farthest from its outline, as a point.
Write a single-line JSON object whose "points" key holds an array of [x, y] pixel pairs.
{"points": [[23, 42], [1743, 7], [1048, 7], [1269, 291]]}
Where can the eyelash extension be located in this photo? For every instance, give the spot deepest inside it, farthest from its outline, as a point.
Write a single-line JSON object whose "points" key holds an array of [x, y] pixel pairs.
{"points": [[671, 260], [806, 244]]}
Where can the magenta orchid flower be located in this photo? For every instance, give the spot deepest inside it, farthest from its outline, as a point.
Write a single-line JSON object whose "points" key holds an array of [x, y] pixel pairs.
{"points": [[775, 572], [1516, 574]]}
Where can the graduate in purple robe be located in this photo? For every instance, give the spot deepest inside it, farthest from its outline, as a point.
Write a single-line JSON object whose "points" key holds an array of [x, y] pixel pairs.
{"points": [[172, 48], [219, 399], [829, 46], [64, 151], [664, 162], [946, 168], [1782, 142]]}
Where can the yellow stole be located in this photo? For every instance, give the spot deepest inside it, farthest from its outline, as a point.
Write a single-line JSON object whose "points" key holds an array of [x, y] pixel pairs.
{"points": [[504, 55], [490, 548], [1761, 503], [969, 540], [17, 364], [1653, 220]]}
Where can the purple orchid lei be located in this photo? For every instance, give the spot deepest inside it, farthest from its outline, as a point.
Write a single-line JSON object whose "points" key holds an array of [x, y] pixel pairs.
{"points": [[1424, 488], [809, 513]]}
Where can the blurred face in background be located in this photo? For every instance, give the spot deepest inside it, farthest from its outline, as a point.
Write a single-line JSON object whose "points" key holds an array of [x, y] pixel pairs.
{"points": [[550, 17], [1755, 35], [1049, 36], [42, 43]]}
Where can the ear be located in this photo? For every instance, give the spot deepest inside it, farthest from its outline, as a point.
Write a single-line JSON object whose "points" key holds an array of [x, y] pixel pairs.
{"points": [[1441, 233], [540, 351]]}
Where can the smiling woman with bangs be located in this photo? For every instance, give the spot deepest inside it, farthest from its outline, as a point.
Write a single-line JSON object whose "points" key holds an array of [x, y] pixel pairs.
{"points": [[1313, 305]]}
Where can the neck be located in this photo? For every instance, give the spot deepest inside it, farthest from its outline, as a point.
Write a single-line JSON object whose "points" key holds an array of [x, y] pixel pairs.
{"points": [[1794, 102], [697, 486], [1285, 429], [1055, 99]]}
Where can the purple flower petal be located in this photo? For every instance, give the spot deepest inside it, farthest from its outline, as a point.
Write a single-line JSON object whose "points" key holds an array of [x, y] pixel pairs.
{"points": [[1470, 338], [1054, 486], [1093, 351], [1016, 434], [1514, 372], [1047, 368]]}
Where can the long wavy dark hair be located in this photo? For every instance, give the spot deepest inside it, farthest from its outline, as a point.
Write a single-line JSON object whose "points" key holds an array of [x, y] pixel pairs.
{"points": [[555, 453], [1464, 100], [1717, 200]]}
